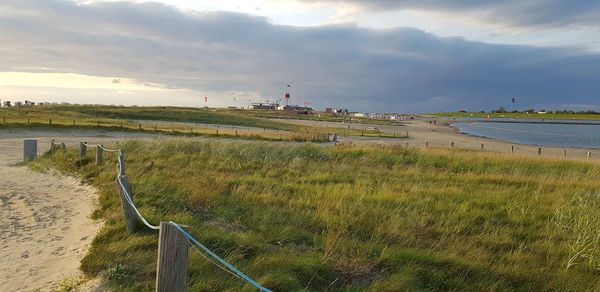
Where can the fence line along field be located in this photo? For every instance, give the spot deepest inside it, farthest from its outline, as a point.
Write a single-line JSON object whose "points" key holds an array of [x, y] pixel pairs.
{"points": [[127, 118], [311, 218]]}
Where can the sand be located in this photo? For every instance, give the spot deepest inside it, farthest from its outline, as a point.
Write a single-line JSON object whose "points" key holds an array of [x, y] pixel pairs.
{"points": [[44, 217]]}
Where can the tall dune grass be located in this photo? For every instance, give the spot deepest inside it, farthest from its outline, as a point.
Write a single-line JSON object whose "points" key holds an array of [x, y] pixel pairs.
{"points": [[310, 218]]}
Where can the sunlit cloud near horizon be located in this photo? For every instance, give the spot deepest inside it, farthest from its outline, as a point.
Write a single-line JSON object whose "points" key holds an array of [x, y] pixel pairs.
{"points": [[385, 56]]}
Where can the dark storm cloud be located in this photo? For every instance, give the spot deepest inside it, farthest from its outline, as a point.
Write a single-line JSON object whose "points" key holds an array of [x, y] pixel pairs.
{"points": [[517, 13], [400, 69]]}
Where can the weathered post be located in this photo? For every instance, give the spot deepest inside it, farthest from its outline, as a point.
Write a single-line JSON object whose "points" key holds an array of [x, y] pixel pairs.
{"points": [[51, 145], [29, 149], [540, 151], [99, 154], [50, 121], [426, 144], [121, 159], [512, 149], [452, 144], [217, 132], [481, 146], [589, 155], [406, 134], [82, 149], [140, 126], [565, 153], [172, 263], [126, 195], [63, 147]]}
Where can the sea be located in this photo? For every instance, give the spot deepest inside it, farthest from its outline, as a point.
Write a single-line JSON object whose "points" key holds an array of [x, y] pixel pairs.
{"points": [[542, 132]]}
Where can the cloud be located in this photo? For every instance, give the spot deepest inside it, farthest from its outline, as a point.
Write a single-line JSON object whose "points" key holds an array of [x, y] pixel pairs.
{"points": [[399, 69], [531, 14]]}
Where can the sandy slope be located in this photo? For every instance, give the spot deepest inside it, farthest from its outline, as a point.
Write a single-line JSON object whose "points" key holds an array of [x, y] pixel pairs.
{"points": [[45, 229]]}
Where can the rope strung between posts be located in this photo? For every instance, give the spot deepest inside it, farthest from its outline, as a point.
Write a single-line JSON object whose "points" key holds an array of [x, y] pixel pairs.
{"points": [[128, 196], [214, 255], [108, 150], [190, 239]]}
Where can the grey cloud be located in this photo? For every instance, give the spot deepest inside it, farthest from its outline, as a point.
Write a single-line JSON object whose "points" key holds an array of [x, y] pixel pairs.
{"points": [[400, 69], [515, 13]]}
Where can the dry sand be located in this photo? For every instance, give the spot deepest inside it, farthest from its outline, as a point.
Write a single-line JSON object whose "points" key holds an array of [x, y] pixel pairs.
{"points": [[44, 217]]}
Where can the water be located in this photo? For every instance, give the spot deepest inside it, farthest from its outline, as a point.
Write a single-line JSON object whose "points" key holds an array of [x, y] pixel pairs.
{"points": [[560, 133]]}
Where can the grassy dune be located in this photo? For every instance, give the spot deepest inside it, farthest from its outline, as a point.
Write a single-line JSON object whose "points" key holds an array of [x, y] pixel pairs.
{"points": [[309, 218], [122, 117]]}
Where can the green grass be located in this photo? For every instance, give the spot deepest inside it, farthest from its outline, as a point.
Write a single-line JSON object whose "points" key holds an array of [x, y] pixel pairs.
{"points": [[111, 116], [311, 218], [521, 115]]}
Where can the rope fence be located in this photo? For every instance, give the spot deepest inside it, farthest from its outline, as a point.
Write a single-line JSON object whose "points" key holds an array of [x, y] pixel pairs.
{"points": [[174, 240]]}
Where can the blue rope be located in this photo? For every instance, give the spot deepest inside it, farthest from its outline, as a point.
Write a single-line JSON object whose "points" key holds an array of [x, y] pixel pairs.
{"points": [[214, 255]]}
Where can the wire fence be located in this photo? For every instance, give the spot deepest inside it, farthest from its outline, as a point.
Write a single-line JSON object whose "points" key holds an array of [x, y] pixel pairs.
{"points": [[190, 240]]}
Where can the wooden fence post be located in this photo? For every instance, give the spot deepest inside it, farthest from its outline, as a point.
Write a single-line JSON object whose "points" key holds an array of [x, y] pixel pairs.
{"points": [[481, 146], [452, 144], [99, 154], [121, 159], [50, 121], [426, 144], [565, 153], [82, 149], [128, 211], [29, 149], [172, 263], [512, 149], [540, 151], [589, 155], [63, 147]]}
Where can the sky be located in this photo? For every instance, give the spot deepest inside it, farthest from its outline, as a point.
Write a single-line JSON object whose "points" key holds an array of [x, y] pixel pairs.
{"points": [[415, 56]]}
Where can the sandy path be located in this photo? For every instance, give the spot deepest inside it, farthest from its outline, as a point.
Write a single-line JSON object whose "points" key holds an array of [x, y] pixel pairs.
{"points": [[43, 217], [442, 135]]}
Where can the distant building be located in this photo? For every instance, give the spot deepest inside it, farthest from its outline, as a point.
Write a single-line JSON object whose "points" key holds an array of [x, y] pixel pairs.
{"points": [[299, 110], [264, 106], [328, 110], [341, 111]]}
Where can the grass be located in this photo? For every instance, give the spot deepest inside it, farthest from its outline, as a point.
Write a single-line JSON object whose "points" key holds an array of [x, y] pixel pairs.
{"points": [[124, 117], [311, 218], [521, 115]]}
